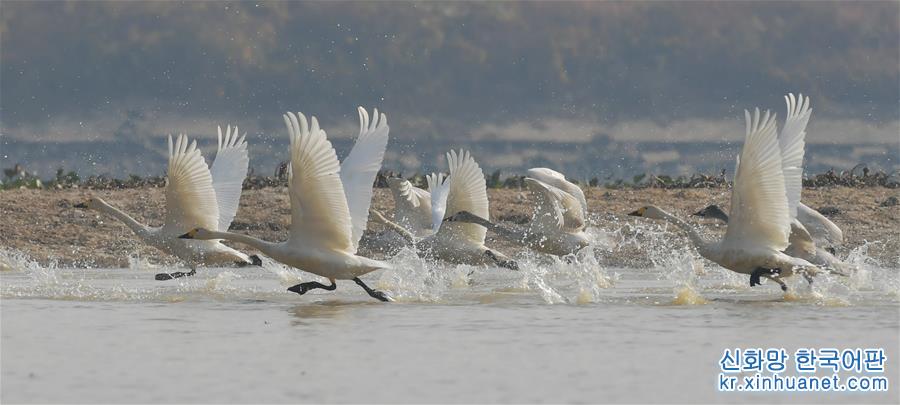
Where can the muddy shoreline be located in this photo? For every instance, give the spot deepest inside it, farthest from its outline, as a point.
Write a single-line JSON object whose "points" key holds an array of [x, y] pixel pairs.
{"points": [[44, 226]]}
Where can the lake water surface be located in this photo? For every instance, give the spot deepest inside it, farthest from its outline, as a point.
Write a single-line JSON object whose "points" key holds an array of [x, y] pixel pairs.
{"points": [[553, 332]]}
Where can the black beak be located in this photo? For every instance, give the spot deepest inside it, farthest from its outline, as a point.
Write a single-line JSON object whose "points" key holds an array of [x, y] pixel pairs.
{"points": [[636, 213], [80, 205], [186, 236], [700, 214], [448, 219]]}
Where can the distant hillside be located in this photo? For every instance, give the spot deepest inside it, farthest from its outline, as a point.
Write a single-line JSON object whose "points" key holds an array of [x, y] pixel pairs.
{"points": [[96, 85]]}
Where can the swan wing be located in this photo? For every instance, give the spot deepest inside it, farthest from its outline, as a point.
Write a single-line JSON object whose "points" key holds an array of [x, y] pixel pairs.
{"points": [[556, 209], [319, 211], [558, 180], [792, 144], [228, 172], [439, 186], [759, 204], [800, 243], [359, 169], [823, 231], [548, 214], [412, 205], [190, 197], [573, 211], [468, 192]]}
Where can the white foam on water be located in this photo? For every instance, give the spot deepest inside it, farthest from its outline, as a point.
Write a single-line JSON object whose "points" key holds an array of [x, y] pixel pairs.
{"points": [[677, 271]]}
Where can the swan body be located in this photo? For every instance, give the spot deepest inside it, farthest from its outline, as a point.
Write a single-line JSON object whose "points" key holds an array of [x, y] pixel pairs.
{"points": [[196, 196], [764, 200], [455, 242], [329, 204], [557, 225]]}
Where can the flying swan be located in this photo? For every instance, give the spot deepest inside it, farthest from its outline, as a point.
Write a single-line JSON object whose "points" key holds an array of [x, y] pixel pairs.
{"points": [[412, 212], [764, 200], [412, 207], [455, 242], [809, 233], [557, 225], [329, 204], [196, 196]]}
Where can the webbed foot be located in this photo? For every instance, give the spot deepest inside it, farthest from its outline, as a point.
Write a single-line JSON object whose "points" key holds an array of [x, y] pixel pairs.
{"points": [[759, 272], [373, 293]]}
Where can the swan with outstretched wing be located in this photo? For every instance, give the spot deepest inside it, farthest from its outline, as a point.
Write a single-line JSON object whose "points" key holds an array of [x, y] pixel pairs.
{"points": [[196, 196], [329, 204]]}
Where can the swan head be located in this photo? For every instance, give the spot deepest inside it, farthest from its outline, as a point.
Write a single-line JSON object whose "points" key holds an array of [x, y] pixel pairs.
{"points": [[198, 233], [650, 211], [90, 204], [712, 211], [464, 216]]}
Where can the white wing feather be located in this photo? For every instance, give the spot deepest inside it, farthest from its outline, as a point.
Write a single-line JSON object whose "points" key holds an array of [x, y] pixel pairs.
{"points": [[468, 192], [190, 197], [800, 243], [319, 212], [759, 204], [359, 169], [412, 206], [439, 187], [548, 213], [558, 180], [792, 145], [552, 202], [228, 172], [822, 230]]}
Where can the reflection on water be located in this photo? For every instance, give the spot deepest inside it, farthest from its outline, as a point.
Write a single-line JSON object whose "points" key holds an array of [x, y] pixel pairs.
{"points": [[328, 309]]}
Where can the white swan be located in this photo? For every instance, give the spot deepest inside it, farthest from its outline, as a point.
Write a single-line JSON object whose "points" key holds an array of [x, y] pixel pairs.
{"points": [[412, 211], [329, 204], [805, 244], [196, 196], [557, 225], [456, 242], [558, 180], [764, 201], [412, 207]]}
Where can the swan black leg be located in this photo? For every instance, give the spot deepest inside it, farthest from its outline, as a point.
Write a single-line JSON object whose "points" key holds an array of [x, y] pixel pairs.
{"points": [[373, 293], [767, 273], [754, 277], [508, 264], [177, 274], [302, 288]]}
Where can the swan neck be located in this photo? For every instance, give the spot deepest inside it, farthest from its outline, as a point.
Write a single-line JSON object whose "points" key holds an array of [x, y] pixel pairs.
{"points": [[695, 237], [135, 226], [404, 233], [258, 244], [504, 232]]}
